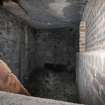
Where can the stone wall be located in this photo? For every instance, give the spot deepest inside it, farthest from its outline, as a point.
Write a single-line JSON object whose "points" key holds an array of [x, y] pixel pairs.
{"points": [[91, 61], [14, 43]]}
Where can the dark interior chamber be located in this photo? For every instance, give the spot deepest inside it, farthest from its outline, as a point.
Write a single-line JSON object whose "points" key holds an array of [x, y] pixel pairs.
{"points": [[52, 65]]}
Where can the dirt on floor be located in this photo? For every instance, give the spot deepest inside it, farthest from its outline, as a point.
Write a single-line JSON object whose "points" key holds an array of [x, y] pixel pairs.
{"points": [[47, 83]]}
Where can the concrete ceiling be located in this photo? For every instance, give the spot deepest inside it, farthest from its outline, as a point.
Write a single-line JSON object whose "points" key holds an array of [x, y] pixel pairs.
{"points": [[53, 13]]}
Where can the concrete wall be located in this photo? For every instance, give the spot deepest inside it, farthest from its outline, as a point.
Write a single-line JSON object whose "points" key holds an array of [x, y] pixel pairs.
{"points": [[54, 46], [14, 43], [57, 46], [91, 61]]}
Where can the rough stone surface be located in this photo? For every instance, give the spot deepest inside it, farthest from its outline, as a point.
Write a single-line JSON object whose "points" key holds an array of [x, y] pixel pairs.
{"points": [[13, 99]]}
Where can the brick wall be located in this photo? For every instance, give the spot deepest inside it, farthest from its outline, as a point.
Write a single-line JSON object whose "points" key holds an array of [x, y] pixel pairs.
{"points": [[91, 59], [95, 24], [82, 36], [91, 77]]}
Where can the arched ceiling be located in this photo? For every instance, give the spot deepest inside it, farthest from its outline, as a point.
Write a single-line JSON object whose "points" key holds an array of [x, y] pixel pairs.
{"points": [[53, 13]]}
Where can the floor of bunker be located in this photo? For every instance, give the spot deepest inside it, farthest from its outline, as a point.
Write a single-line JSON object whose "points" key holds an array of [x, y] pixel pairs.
{"points": [[53, 85]]}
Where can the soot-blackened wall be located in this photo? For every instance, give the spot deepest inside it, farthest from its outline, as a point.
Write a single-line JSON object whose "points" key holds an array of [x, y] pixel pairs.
{"points": [[52, 64], [55, 46]]}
